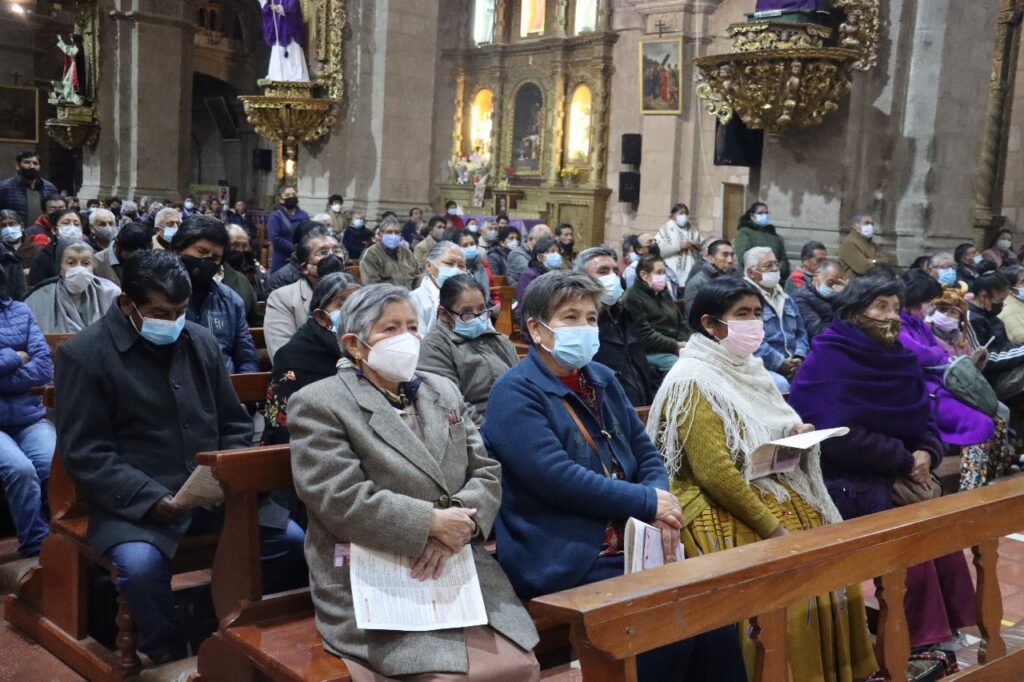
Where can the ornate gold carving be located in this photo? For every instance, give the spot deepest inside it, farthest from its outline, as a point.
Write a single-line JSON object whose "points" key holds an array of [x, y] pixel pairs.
{"points": [[330, 22], [74, 127], [460, 107], [860, 30], [763, 35]]}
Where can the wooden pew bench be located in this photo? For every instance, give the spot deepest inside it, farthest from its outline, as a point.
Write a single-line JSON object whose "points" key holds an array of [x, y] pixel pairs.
{"points": [[51, 602]]}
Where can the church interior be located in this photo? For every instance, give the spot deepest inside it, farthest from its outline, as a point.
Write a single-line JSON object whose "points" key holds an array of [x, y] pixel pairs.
{"points": [[778, 145]]}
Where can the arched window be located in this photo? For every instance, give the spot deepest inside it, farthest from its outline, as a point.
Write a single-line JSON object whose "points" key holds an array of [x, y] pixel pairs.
{"points": [[480, 123], [577, 150], [531, 17], [483, 21], [586, 16]]}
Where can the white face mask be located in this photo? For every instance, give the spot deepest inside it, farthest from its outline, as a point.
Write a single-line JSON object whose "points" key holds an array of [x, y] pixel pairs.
{"points": [[867, 230], [69, 231], [336, 208], [682, 220], [770, 280], [395, 357], [77, 279]]}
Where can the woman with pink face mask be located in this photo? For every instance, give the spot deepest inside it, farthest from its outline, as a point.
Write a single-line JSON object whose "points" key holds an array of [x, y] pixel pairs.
{"points": [[714, 409], [659, 324]]}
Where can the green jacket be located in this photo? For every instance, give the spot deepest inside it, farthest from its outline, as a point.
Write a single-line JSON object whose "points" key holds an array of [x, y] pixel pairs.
{"points": [[657, 320], [751, 235], [398, 267], [238, 283]]}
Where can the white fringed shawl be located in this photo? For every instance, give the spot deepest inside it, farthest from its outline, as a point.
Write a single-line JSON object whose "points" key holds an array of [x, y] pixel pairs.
{"points": [[753, 411]]}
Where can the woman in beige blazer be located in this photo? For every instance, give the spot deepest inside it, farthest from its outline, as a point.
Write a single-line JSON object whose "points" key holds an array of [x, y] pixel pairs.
{"points": [[389, 459]]}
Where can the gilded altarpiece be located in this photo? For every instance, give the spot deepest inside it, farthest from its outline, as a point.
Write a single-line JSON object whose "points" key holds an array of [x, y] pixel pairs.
{"points": [[544, 90]]}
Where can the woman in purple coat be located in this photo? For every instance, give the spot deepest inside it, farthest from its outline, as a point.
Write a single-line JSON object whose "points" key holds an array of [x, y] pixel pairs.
{"points": [[859, 376], [979, 437]]}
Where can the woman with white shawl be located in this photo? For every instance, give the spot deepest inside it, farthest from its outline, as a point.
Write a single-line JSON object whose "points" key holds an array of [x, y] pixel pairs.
{"points": [[717, 406], [76, 298]]}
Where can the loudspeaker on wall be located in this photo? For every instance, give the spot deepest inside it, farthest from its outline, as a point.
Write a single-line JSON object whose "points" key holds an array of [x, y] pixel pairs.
{"points": [[629, 187]]}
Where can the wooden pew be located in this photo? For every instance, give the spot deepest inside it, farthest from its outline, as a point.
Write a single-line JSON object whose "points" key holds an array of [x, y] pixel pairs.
{"points": [[55, 341], [50, 604], [504, 322], [614, 620], [353, 269]]}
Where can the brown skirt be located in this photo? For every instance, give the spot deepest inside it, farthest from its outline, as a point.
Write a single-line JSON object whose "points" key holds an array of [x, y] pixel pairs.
{"points": [[492, 658]]}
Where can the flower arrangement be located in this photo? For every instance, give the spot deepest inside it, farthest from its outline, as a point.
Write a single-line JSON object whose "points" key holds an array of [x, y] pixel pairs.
{"points": [[570, 175]]}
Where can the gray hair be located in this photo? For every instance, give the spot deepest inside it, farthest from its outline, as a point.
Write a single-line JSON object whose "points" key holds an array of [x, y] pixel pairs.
{"points": [[95, 215], [387, 222], [547, 293], [127, 206], [939, 257], [540, 230], [329, 287], [233, 227], [164, 213], [438, 250], [590, 254], [830, 264], [364, 308], [323, 218], [753, 255], [859, 216]]}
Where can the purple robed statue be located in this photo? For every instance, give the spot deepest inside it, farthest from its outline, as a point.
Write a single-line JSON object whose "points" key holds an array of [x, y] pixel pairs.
{"points": [[283, 32], [792, 5]]}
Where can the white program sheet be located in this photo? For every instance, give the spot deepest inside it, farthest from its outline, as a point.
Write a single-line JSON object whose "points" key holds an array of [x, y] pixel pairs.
{"points": [[201, 489], [783, 455], [387, 597], [643, 548]]}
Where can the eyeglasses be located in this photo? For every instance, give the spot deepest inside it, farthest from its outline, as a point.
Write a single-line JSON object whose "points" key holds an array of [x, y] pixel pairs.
{"points": [[324, 253], [470, 316], [767, 267]]}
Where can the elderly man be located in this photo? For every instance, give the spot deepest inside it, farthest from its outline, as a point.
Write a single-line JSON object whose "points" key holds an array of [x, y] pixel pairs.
{"points": [[435, 233], [24, 191], [240, 216], [785, 340], [319, 255], [174, 398], [858, 253], [719, 260], [811, 256], [621, 348], [233, 279], [165, 226], [102, 228], [816, 298], [518, 259], [109, 263], [200, 243], [242, 258], [942, 268], [281, 226], [388, 260]]}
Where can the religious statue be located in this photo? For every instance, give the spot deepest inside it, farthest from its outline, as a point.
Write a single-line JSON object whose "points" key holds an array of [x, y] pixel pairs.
{"points": [[849, 31], [67, 90], [792, 5], [283, 32], [796, 70]]}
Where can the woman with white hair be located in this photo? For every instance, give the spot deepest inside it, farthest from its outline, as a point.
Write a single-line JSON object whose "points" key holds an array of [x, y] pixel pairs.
{"points": [[388, 458], [445, 259], [77, 297]]}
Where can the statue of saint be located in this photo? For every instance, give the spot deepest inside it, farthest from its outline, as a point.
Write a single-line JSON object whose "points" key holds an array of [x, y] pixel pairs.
{"points": [[283, 31], [68, 89]]}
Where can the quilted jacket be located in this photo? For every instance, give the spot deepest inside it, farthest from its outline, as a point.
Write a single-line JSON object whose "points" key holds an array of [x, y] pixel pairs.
{"points": [[19, 332]]}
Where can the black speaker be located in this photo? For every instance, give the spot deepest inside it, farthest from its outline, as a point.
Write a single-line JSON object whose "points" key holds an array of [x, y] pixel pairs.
{"points": [[262, 159], [631, 149], [738, 145], [629, 188]]}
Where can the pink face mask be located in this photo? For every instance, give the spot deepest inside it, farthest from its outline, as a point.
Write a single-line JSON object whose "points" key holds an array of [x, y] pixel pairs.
{"points": [[745, 337], [944, 322], [659, 282]]}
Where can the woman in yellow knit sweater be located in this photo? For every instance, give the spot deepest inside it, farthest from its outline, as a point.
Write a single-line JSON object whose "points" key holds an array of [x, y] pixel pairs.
{"points": [[716, 406]]}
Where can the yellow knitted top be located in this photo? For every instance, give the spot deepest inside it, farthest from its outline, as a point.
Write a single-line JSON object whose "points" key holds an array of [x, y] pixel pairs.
{"points": [[708, 475]]}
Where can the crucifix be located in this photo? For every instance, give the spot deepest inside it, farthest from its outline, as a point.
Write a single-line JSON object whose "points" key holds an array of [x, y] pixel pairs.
{"points": [[661, 26], [16, 76]]}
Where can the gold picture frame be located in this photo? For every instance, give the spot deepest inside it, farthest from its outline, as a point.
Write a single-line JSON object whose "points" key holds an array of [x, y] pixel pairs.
{"points": [[19, 114], [660, 76]]}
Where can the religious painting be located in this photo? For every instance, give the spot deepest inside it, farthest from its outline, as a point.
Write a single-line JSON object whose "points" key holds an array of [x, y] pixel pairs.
{"points": [[531, 17], [661, 83], [19, 114], [527, 124]]}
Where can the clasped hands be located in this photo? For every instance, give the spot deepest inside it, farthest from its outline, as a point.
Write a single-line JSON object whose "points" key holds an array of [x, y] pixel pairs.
{"points": [[669, 520], [450, 530], [922, 471]]}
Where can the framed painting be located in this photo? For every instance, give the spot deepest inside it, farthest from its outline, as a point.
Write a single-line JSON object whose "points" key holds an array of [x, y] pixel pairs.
{"points": [[19, 114], [527, 129], [661, 79]]}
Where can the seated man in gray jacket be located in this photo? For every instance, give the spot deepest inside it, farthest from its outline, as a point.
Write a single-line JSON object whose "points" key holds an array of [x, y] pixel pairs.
{"points": [[143, 391]]}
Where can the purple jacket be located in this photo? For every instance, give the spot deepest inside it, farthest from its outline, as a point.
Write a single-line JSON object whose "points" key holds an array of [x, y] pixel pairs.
{"points": [[958, 424], [19, 332], [289, 24]]}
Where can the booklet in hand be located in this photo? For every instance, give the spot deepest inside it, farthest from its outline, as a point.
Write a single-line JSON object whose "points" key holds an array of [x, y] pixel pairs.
{"points": [[783, 455], [643, 548], [200, 490]]}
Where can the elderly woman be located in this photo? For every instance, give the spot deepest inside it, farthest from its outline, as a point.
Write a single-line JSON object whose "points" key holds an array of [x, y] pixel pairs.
{"points": [[714, 409], [310, 355], [445, 259], [463, 346], [658, 321], [576, 465], [858, 375], [26, 438], [979, 437], [45, 265], [77, 297], [390, 459]]}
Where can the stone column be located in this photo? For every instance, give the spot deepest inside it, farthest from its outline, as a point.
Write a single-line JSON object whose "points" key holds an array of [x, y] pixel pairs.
{"points": [[144, 101]]}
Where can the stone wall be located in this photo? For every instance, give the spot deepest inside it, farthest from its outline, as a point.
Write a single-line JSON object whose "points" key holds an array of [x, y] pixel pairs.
{"points": [[1013, 191]]}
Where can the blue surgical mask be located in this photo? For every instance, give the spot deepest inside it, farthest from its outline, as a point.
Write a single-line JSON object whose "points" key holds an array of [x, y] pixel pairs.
{"points": [[634, 257], [453, 211], [612, 288], [444, 272], [574, 346], [335, 319], [11, 233], [160, 332], [947, 276], [391, 241], [169, 233], [762, 219], [978, 258], [358, 222], [473, 328], [552, 261], [471, 253], [826, 291], [473, 227], [1020, 293]]}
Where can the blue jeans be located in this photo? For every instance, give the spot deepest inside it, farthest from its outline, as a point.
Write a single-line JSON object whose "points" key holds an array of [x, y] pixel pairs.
{"points": [[144, 580], [25, 456], [663, 361]]}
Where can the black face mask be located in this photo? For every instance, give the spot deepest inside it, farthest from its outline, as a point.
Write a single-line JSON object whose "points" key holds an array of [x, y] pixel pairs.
{"points": [[29, 173], [329, 265], [237, 259], [291, 203], [201, 272], [654, 250], [996, 309]]}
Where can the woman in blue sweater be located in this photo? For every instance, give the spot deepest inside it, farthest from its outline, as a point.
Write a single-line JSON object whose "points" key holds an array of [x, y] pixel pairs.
{"points": [[27, 439], [576, 465]]}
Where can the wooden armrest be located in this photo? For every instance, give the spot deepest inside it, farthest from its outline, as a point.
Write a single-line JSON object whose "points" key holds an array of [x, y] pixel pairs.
{"points": [[250, 470]]}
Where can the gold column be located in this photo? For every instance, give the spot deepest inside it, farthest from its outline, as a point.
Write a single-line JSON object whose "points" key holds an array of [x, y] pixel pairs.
{"points": [[988, 196], [599, 127], [557, 122], [498, 90], [460, 109]]}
